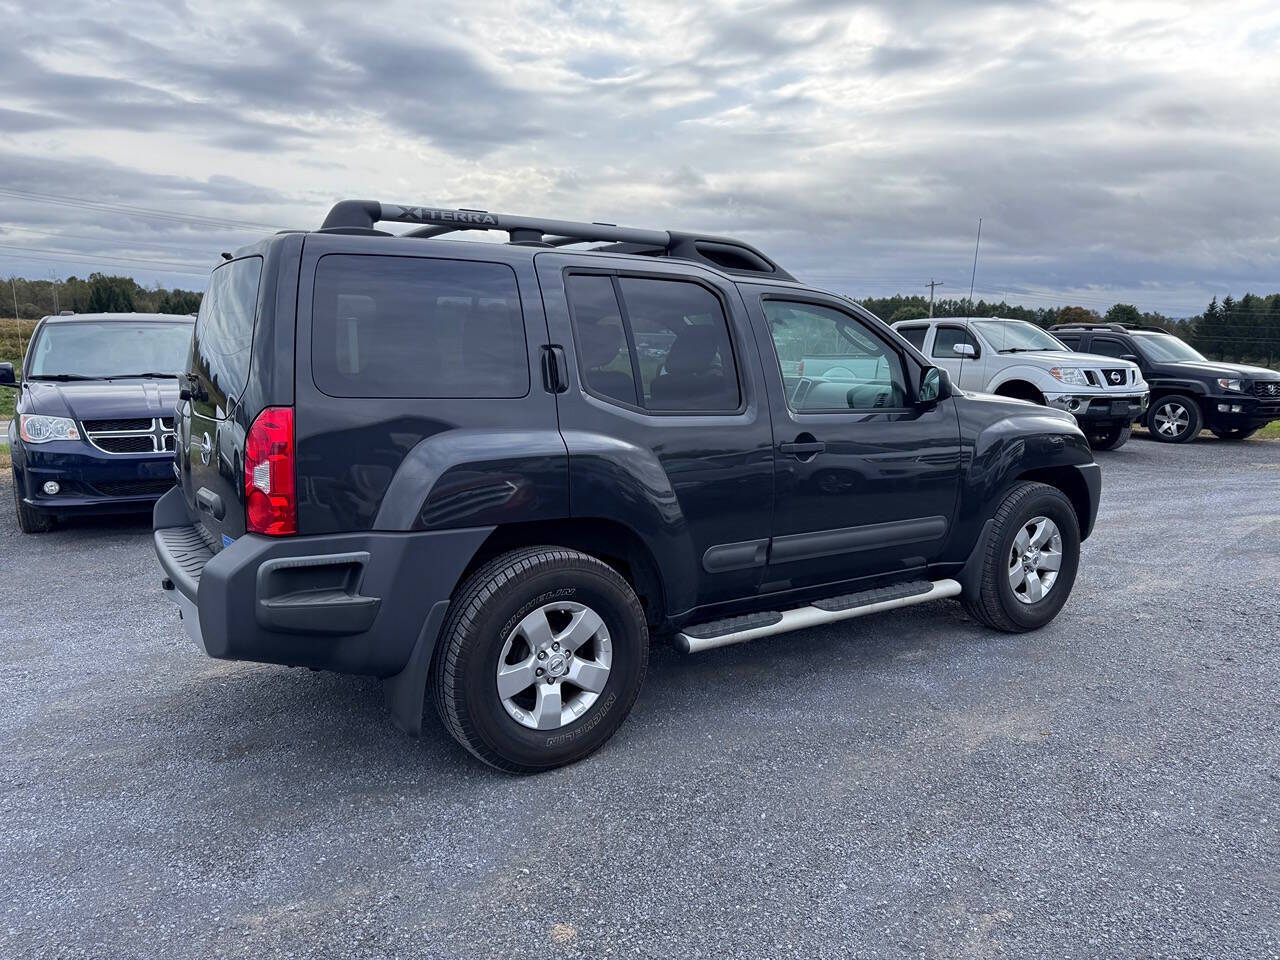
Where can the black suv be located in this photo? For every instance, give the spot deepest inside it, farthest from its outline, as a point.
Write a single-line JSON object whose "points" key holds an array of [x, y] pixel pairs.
{"points": [[1188, 391], [492, 471]]}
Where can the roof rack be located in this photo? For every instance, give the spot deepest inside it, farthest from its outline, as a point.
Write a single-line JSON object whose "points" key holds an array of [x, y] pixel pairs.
{"points": [[1117, 327], [724, 253]]}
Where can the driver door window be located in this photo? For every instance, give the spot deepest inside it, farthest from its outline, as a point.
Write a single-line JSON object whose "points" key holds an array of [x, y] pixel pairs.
{"points": [[1107, 347], [831, 361]]}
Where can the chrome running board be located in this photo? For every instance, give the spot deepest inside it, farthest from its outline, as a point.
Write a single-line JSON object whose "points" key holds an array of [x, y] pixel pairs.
{"points": [[721, 633]]}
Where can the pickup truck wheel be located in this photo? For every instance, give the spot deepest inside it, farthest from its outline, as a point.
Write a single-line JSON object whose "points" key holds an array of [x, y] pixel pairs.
{"points": [[1032, 555], [1243, 433], [1111, 439], [1174, 419], [541, 659], [30, 520]]}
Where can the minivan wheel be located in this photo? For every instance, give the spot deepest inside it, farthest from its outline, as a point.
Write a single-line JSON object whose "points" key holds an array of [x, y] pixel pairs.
{"points": [[1032, 555], [1112, 438], [1174, 419], [541, 658], [30, 520]]}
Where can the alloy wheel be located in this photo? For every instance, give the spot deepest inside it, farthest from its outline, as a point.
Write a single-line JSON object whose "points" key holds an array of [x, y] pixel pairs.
{"points": [[1035, 559], [554, 665], [1172, 419]]}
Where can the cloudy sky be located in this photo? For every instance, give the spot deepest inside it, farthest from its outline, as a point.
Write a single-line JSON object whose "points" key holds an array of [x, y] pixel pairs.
{"points": [[1116, 150]]}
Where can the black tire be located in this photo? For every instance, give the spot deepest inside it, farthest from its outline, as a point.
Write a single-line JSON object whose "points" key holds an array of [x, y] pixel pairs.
{"points": [[1112, 439], [484, 613], [1241, 433], [30, 520], [1175, 405], [995, 603]]}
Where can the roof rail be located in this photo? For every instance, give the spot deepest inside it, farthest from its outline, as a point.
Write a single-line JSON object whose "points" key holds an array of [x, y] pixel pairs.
{"points": [[1117, 327], [724, 253]]}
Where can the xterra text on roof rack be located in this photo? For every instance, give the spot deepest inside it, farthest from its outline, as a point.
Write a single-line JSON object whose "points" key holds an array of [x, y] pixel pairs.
{"points": [[489, 473]]}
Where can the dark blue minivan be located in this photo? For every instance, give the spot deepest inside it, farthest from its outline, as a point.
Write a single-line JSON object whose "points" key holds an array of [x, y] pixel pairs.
{"points": [[93, 429]]}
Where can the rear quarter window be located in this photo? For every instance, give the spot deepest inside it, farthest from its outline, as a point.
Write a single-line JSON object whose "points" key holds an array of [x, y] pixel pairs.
{"points": [[223, 339], [417, 327]]}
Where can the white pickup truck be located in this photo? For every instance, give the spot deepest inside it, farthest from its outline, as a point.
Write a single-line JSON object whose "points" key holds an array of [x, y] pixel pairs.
{"points": [[1014, 358]]}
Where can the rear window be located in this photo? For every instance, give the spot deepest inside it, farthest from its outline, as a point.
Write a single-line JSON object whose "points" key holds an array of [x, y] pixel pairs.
{"points": [[417, 327], [913, 336], [224, 332]]}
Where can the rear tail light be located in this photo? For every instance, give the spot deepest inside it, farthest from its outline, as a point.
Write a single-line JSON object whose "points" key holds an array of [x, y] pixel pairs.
{"points": [[270, 493]]}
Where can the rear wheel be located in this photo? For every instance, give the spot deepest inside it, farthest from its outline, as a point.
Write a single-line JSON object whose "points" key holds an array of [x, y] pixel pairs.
{"points": [[541, 659], [1174, 419], [1032, 555], [1112, 438], [1243, 433], [30, 520]]}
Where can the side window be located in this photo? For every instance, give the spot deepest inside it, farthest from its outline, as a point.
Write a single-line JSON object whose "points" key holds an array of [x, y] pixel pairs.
{"points": [[603, 356], [831, 361], [1072, 340], [913, 336], [658, 344], [946, 339], [417, 327], [1109, 347], [224, 334]]}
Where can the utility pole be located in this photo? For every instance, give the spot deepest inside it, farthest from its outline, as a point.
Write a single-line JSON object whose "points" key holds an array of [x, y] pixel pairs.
{"points": [[931, 284]]}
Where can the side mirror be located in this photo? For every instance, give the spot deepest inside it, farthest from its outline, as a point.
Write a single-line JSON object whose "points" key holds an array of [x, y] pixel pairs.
{"points": [[7, 379], [1130, 357], [935, 386], [964, 350]]}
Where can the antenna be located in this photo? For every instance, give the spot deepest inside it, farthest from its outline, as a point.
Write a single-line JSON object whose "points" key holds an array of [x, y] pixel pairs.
{"points": [[973, 276]]}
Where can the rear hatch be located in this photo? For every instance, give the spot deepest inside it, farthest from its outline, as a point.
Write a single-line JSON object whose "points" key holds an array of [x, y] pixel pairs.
{"points": [[212, 424]]}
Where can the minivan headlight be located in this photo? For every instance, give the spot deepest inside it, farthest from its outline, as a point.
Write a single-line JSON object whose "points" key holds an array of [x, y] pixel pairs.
{"points": [[1072, 375], [35, 428], [1229, 384]]}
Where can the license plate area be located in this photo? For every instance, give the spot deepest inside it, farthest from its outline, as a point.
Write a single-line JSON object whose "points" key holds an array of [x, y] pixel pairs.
{"points": [[1120, 408]]}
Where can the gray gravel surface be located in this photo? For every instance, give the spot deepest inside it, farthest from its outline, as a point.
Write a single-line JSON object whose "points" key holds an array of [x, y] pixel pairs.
{"points": [[908, 785]]}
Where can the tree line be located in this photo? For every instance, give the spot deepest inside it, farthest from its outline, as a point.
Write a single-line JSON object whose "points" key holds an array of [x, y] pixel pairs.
{"points": [[1244, 331], [97, 293]]}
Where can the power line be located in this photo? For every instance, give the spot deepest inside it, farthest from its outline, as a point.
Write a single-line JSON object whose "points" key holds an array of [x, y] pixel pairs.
{"points": [[105, 256], [135, 211], [90, 260]]}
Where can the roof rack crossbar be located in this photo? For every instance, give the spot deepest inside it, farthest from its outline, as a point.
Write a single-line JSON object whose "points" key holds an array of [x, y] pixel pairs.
{"points": [[732, 256]]}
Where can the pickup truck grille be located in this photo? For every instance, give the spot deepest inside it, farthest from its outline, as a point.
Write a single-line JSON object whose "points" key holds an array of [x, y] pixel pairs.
{"points": [[1267, 389], [131, 435], [1115, 376]]}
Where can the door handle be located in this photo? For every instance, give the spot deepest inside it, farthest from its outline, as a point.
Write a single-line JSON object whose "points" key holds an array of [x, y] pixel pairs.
{"points": [[805, 447], [555, 376]]}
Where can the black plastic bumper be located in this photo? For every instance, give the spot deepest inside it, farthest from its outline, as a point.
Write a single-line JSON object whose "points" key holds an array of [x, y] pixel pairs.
{"points": [[354, 603], [1125, 410]]}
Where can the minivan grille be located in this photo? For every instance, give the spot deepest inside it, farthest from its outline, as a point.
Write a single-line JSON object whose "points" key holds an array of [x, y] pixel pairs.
{"points": [[131, 435]]}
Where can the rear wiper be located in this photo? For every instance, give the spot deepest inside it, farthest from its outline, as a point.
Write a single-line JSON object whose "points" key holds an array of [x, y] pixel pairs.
{"points": [[128, 376], [60, 376]]}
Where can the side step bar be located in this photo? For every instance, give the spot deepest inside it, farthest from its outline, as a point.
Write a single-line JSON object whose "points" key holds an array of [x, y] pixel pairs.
{"points": [[721, 633]]}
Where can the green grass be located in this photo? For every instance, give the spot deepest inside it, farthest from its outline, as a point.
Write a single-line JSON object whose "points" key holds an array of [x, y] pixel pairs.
{"points": [[13, 337], [1270, 432]]}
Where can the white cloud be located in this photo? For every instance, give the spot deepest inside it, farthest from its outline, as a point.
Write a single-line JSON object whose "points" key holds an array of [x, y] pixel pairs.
{"points": [[1115, 150]]}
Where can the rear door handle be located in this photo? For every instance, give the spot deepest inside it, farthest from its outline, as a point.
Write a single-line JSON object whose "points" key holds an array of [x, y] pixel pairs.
{"points": [[210, 503], [555, 376], [803, 449]]}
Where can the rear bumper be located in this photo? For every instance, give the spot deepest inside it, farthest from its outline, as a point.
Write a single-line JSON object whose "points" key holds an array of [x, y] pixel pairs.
{"points": [[354, 603], [89, 480]]}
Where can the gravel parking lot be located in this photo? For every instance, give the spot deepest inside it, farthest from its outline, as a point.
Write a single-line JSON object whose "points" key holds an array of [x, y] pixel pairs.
{"points": [[908, 785]]}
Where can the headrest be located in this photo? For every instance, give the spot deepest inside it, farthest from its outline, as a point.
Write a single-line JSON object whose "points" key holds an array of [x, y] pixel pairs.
{"points": [[600, 342], [694, 351]]}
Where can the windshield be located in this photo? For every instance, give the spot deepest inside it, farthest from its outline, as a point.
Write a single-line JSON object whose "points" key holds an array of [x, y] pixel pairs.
{"points": [[1014, 335], [1166, 348], [113, 348]]}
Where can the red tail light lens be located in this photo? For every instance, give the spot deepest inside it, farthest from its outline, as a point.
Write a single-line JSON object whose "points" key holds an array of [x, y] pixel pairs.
{"points": [[270, 494]]}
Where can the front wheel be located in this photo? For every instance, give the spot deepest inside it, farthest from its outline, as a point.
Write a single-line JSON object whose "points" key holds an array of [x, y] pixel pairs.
{"points": [[541, 658], [30, 520], [1174, 419], [1032, 555], [1242, 433], [1113, 438]]}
